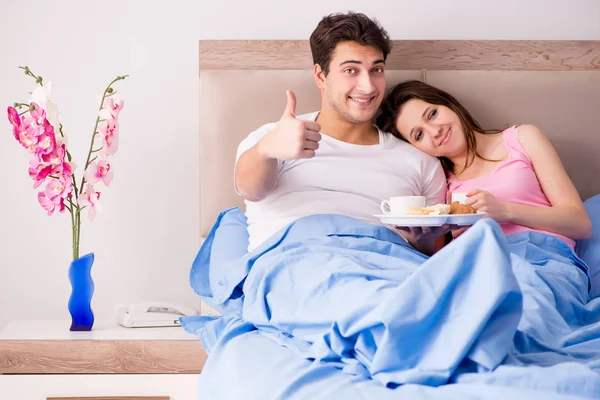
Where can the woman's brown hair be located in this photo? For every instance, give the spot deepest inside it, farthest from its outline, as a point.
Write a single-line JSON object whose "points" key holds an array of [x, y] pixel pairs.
{"points": [[403, 92]]}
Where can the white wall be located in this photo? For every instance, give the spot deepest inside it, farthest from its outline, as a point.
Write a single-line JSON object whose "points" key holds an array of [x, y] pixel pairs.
{"points": [[149, 234]]}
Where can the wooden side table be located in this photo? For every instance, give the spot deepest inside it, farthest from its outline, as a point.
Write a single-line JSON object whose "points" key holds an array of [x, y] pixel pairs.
{"points": [[43, 360]]}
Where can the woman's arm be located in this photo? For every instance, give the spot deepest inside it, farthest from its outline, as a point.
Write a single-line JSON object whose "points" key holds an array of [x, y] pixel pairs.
{"points": [[567, 216]]}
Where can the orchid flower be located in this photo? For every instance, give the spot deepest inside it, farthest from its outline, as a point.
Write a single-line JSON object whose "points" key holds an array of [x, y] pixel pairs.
{"points": [[27, 139], [110, 136], [46, 141], [58, 189], [114, 104], [39, 173], [50, 205], [13, 117], [91, 198], [56, 157], [41, 96], [97, 171]]}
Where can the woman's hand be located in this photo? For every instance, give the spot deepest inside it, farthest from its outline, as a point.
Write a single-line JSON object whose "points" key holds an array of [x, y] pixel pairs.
{"points": [[483, 201]]}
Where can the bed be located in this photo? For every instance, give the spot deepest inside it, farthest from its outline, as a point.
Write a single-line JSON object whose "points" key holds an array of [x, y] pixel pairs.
{"points": [[552, 84]]}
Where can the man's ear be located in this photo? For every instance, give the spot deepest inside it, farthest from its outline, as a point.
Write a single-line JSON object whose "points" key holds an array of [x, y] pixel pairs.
{"points": [[319, 76]]}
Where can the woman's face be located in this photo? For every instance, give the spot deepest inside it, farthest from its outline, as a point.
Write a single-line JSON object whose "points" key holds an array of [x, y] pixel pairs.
{"points": [[434, 129]]}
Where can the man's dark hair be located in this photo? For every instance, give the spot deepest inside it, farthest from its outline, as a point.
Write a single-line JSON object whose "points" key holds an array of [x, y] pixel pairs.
{"points": [[350, 27]]}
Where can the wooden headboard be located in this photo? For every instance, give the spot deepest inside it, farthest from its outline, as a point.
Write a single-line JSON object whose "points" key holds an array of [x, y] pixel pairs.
{"points": [[552, 84]]}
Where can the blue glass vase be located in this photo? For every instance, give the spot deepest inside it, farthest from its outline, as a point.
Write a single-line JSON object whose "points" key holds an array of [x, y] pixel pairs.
{"points": [[82, 285]]}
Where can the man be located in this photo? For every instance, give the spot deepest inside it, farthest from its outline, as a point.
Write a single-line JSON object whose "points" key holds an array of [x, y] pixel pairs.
{"points": [[335, 160]]}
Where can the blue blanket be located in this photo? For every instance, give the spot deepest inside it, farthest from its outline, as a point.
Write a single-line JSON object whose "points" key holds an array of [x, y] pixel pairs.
{"points": [[331, 305]]}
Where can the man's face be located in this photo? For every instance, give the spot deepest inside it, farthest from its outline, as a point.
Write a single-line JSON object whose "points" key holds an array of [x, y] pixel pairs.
{"points": [[355, 85]]}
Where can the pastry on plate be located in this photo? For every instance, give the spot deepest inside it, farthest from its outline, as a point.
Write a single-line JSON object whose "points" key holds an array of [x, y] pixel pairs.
{"points": [[410, 210], [437, 209], [458, 208]]}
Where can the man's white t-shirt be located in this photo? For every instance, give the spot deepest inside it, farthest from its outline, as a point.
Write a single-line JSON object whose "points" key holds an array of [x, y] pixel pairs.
{"points": [[342, 178]]}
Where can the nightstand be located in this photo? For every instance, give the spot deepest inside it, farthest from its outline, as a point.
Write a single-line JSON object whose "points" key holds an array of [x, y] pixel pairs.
{"points": [[43, 360]]}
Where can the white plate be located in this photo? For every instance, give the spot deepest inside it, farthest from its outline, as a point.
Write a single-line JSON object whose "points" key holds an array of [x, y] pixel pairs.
{"points": [[429, 220]]}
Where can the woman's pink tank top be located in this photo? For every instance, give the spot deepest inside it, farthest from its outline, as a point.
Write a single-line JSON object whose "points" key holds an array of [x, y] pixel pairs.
{"points": [[513, 181]]}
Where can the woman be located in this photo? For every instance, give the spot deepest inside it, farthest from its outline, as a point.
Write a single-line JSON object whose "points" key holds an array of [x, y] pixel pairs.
{"points": [[516, 177]]}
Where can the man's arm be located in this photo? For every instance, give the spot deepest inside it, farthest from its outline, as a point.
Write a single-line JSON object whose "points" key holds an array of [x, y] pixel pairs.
{"points": [[257, 169], [255, 174]]}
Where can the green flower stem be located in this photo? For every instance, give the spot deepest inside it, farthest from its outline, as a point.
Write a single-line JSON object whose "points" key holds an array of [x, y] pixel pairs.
{"points": [[75, 246], [38, 79], [75, 224], [74, 209]]}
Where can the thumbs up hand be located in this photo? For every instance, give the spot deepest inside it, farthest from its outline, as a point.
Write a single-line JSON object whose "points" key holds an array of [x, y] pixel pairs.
{"points": [[291, 139]]}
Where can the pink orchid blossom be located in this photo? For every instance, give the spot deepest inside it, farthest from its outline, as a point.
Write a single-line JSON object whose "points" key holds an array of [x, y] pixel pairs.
{"points": [[114, 104], [97, 171], [33, 131], [38, 114], [35, 120], [56, 157], [15, 121], [46, 141], [17, 132], [13, 117], [52, 198], [58, 188], [39, 171], [50, 205], [65, 169], [27, 138], [110, 136], [91, 198], [35, 161], [62, 170], [39, 174]]}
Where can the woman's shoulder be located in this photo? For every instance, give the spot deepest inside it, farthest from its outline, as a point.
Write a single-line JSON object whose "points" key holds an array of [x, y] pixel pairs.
{"points": [[532, 139], [529, 132]]}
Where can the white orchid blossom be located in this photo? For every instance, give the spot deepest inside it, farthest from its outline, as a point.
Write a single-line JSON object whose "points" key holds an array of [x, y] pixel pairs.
{"points": [[41, 96]]}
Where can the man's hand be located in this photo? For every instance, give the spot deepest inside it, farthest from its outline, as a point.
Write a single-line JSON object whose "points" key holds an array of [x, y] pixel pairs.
{"points": [[457, 232], [424, 233], [424, 238], [291, 138]]}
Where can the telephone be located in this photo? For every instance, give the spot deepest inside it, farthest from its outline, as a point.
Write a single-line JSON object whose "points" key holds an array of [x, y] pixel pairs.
{"points": [[152, 314]]}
